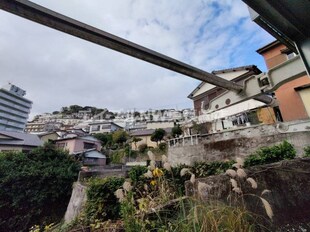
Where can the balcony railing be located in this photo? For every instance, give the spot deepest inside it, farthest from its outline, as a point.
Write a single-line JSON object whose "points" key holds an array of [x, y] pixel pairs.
{"points": [[183, 141]]}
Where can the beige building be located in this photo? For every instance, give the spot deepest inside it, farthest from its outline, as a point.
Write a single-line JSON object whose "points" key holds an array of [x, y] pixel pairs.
{"points": [[155, 125], [242, 114], [145, 136], [48, 136]]}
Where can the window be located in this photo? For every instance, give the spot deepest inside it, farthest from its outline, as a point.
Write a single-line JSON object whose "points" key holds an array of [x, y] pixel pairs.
{"points": [[106, 127], [89, 145], [61, 145], [96, 128]]}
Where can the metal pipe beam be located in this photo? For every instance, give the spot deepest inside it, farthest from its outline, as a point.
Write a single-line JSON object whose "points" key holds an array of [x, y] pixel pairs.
{"points": [[44, 16]]}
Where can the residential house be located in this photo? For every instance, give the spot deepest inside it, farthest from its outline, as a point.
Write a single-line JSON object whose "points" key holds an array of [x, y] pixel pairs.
{"points": [[40, 127], [294, 96], [103, 127], [145, 136], [71, 133], [92, 157], [35, 127], [242, 114], [78, 144], [48, 136], [84, 148], [17, 141], [155, 125]]}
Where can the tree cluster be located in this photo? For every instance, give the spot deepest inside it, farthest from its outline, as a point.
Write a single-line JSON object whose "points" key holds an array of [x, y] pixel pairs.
{"points": [[35, 187], [76, 108]]}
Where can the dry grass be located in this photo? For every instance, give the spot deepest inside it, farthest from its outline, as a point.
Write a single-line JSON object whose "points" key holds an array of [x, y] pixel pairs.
{"points": [[214, 217]]}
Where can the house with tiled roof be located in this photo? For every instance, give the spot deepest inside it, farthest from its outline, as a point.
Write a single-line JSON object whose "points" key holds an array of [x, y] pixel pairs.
{"points": [[145, 136], [244, 113], [17, 141], [78, 144]]}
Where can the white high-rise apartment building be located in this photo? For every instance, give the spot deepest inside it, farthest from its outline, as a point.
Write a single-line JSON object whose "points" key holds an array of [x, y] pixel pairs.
{"points": [[14, 108]]}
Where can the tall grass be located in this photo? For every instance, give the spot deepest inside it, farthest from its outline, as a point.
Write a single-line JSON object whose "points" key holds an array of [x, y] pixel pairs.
{"points": [[213, 216]]}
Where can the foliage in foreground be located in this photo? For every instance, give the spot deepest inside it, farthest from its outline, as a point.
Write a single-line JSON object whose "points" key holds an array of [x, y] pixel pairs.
{"points": [[35, 188], [157, 210], [101, 201], [213, 217], [156, 186]]}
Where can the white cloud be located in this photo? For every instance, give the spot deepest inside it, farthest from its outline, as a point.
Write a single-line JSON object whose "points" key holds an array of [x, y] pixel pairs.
{"points": [[58, 70]]}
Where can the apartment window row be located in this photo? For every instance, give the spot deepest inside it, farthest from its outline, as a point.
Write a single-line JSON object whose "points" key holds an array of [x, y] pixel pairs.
{"points": [[14, 107], [15, 99]]}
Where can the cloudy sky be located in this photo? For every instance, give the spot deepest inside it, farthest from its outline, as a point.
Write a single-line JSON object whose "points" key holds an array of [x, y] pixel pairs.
{"points": [[58, 70]]}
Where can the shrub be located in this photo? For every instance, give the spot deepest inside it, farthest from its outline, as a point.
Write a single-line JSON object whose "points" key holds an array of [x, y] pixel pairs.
{"points": [[101, 202], [176, 131], [162, 146], [307, 151], [142, 148], [176, 180], [117, 156], [35, 188], [272, 154], [203, 169], [136, 172]]}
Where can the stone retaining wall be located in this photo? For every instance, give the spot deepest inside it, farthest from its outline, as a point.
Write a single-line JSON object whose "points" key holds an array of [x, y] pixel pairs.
{"points": [[235, 143]]}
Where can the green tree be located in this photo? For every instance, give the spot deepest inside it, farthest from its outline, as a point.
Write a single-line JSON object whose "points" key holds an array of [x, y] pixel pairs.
{"points": [[176, 131], [158, 135], [35, 187], [75, 108], [197, 128], [105, 139], [101, 200], [135, 140], [120, 137], [64, 110], [136, 114]]}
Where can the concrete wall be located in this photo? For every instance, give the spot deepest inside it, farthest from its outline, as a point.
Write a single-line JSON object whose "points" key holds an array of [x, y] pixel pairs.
{"points": [[236, 143], [77, 201], [289, 198], [156, 125]]}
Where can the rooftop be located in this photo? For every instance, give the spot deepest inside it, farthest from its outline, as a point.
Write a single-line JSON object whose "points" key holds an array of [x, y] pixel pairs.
{"points": [[16, 138]]}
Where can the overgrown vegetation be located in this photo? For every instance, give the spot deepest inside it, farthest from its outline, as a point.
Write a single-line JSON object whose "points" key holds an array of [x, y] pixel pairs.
{"points": [[156, 209], [145, 198], [35, 187], [203, 169], [101, 201], [136, 173], [176, 131], [158, 135], [272, 154], [212, 217], [307, 151]]}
